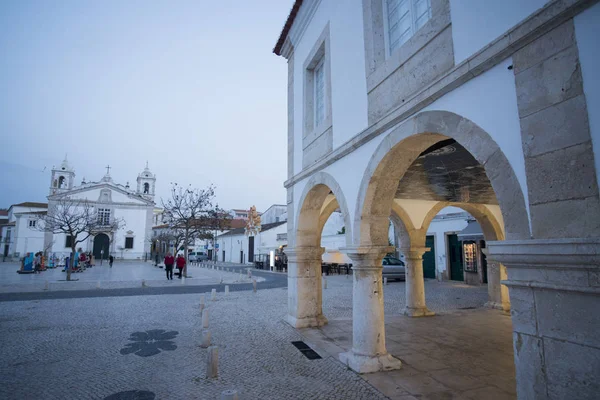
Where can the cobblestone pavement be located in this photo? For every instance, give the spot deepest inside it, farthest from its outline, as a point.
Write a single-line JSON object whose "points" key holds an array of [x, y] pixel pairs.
{"points": [[72, 348]]}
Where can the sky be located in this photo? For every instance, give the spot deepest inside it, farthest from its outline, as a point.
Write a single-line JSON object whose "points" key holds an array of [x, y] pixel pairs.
{"points": [[192, 87]]}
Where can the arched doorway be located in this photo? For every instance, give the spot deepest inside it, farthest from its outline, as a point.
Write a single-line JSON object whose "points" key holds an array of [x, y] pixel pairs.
{"points": [[101, 244], [322, 197]]}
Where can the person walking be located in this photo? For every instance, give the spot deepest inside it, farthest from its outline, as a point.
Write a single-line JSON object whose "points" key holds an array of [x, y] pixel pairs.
{"points": [[180, 264], [169, 261], [110, 260]]}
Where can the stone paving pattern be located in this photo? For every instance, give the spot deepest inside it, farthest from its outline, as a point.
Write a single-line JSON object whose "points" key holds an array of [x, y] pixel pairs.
{"points": [[71, 348]]}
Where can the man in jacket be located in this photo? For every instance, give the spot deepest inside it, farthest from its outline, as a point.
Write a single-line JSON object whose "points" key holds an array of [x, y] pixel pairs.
{"points": [[169, 261]]}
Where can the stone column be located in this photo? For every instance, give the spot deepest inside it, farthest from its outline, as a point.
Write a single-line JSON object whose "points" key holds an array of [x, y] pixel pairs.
{"points": [[415, 283], [368, 352], [555, 297], [305, 294], [497, 293]]}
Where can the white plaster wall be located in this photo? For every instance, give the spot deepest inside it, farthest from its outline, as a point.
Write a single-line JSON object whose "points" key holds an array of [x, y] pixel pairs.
{"points": [[439, 228], [587, 32], [272, 213], [267, 241], [475, 23], [12, 217], [26, 239], [263, 243], [490, 101], [348, 173], [135, 221], [348, 82], [334, 224]]}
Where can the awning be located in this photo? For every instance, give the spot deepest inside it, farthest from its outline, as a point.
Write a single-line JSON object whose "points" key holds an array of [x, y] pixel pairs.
{"points": [[471, 232]]}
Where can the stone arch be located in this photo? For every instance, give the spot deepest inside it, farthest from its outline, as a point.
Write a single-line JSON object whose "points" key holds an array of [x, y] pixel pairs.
{"points": [[403, 145], [315, 210]]}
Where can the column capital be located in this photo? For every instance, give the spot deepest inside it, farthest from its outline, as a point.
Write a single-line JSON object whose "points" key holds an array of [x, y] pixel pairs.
{"points": [[304, 254], [414, 253], [366, 256]]}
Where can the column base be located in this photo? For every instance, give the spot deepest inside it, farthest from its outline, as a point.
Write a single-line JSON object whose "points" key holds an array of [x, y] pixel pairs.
{"points": [[418, 312], [367, 364], [497, 306], [311, 322]]}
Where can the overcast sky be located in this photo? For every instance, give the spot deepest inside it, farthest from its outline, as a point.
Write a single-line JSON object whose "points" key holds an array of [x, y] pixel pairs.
{"points": [[190, 86]]}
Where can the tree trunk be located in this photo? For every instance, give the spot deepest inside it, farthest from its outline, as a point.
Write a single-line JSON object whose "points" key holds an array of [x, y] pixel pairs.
{"points": [[71, 263], [185, 253]]}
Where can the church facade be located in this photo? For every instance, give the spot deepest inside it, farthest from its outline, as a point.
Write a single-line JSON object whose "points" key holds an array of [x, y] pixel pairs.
{"points": [[134, 206]]}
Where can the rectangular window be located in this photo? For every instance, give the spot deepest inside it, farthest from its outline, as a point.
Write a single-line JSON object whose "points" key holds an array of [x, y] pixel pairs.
{"points": [[69, 241], [404, 18], [32, 223], [319, 79], [104, 216], [129, 243]]}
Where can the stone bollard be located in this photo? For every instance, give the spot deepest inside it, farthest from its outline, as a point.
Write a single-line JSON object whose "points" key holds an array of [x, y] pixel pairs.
{"points": [[254, 285], [241, 277], [226, 290], [46, 286], [385, 280], [285, 270], [230, 395], [324, 283], [202, 300], [221, 281], [98, 285], [249, 272], [205, 339], [213, 294], [212, 362], [213, 267], [143, 283], [205, 318], [183, 280]]}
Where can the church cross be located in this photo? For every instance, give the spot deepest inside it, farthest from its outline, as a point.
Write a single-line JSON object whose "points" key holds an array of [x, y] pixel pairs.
{"points": [[107, 169]]}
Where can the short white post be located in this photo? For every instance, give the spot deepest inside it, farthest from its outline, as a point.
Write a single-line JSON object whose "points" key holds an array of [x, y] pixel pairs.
{"points": [[324, 283], [212, 362], [205, 318], [98, 285], [143, 283], [229, 395], [205, 339], [385, 280], [254, 285], [249, 272], [201, 302], [241, 277], [46, 285], [221, 281], [182, 280], [213, 294], [226, 290]]}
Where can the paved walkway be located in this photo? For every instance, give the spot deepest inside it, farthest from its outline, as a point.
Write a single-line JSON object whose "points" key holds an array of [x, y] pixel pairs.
{"points": [[83, 348], [129, 274]]}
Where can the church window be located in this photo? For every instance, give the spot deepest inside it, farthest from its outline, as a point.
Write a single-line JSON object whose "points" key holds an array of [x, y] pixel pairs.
{"points": [[69, 241], [103, 216], [32, 223], [61, 181], [319, 79], [404, 19], [146, 188], [129, 243]]}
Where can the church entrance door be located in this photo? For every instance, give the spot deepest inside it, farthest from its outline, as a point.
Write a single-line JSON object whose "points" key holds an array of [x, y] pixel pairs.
{"points": [[101, 243]]}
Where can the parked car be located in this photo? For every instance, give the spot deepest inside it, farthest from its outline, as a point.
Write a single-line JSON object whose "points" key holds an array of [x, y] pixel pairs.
{"points": [[393, 268], [197, 256]]}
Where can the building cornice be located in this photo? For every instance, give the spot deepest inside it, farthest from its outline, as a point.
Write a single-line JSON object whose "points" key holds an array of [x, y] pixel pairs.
{"points": [[102, 185], [537, 24], [305, 13]]}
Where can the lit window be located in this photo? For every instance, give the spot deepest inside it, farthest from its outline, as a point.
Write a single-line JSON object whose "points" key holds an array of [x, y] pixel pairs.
{"points": [[405, 17], [104, 216], [319, 78]]}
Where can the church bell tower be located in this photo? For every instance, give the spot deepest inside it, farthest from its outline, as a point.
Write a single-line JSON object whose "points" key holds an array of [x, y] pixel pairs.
{"points": [[146, 182], [62, 178]]}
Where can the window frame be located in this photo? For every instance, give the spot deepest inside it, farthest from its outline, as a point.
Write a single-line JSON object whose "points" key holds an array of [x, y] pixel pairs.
{"points": [[319, 69], [68, 241], [132, 242], [102, 214], [386, 25], [32, 223]]}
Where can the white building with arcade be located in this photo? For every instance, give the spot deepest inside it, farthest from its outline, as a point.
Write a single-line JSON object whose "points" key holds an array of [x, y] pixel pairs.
{"points": [[399, 109]]}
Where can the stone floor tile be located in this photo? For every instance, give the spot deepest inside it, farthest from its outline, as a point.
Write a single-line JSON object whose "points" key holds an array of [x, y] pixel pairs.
{"points": [[420, 384], [457, 380], [423, 362], [488, 393]]}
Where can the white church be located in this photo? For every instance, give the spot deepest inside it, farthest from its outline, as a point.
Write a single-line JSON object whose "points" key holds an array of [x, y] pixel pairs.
{"points": [[112, 200]]}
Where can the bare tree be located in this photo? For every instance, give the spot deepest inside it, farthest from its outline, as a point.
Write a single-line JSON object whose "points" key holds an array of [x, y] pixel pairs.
{"points": [[77, 219], [191, 214]]}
